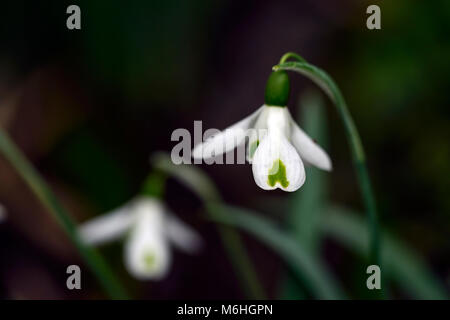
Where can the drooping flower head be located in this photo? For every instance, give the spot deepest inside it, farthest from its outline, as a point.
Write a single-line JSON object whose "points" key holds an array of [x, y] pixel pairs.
{"points": [[150, 229], [277, 147]]}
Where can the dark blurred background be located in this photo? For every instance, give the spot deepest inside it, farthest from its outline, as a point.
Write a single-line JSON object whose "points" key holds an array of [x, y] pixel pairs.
{"points": [[89, 106]]}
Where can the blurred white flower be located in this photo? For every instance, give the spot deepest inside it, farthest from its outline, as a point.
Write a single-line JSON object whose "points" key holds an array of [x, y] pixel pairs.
{"points": [[150, 230], [276, 148]]}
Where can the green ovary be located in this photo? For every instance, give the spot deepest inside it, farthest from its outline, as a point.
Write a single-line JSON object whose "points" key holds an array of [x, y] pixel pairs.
{"points": [[278, 174]]}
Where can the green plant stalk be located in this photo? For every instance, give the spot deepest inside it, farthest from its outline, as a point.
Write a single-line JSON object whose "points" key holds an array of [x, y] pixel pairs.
{"points": [[91, 257], [323, 80]]}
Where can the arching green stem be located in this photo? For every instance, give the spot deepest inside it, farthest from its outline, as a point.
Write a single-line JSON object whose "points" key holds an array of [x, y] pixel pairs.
{"points": [[323, 80], [92, 258], [290, 55]]}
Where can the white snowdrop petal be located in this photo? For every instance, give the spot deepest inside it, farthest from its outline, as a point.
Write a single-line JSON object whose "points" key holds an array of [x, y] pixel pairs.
{"points": [[253, 143], [109, 226], [147, 252], [226, 140], [309, 150], [261, 164], [147, 257], [182, 235], [276, 164], [258, 133]]}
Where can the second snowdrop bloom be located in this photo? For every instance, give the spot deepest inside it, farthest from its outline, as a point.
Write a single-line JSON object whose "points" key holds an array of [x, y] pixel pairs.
{"points": [[277, 147], [150, 231]]}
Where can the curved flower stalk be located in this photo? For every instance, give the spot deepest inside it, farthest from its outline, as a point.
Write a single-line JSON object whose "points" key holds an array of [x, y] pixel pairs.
{"points": [[277, 147], [150, 229], [325, 82]]}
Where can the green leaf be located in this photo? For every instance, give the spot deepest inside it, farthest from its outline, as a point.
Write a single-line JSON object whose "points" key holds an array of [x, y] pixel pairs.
{"points": [[400, 263], [305, 266], [305, 207]]}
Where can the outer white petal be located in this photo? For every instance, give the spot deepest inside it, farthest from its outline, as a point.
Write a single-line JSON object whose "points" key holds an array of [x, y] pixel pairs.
{"points": [[309, 151], [147, 252], [258, 133], [109, 226], [273, 149], [182, 235], [226, 140]]}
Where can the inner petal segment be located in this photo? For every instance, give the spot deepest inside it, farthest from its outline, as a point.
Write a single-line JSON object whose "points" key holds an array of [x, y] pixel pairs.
{"points": [[278, 174]]}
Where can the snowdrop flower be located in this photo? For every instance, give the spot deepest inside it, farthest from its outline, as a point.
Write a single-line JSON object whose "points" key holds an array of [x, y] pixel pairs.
{"points": [[277, 147], [151, 230]]}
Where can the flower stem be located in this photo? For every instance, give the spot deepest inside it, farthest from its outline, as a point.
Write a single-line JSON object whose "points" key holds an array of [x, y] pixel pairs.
{"points": [[289, 55], [323, 80], [32, 178]]}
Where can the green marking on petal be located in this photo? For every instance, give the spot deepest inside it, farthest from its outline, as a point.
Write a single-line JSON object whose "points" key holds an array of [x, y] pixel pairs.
{"points": [[149, 260], [278, 174], [253, 147]]}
